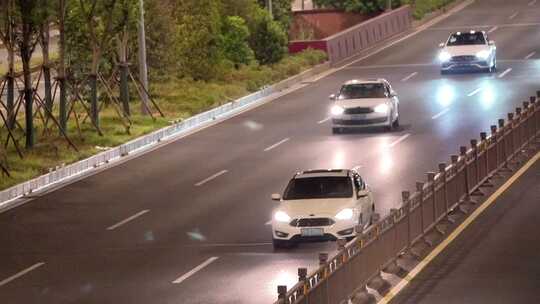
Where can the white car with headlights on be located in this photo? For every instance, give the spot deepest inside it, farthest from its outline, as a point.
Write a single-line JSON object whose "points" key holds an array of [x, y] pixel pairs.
{"points": [[321, 205], [464, 51], [364, 103]]}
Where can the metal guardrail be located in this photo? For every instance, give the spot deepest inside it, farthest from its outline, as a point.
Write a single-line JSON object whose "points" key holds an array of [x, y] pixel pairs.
{"points": [[63, 173], [364, 257], [366, 34]]}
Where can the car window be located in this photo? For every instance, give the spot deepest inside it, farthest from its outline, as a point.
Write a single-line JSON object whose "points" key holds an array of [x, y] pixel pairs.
{"points": [[364, 90], [319, 187], [466, 39]]}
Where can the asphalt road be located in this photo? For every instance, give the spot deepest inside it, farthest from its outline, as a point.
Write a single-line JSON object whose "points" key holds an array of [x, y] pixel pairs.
{"points": [[213, 239], [494, 260]]}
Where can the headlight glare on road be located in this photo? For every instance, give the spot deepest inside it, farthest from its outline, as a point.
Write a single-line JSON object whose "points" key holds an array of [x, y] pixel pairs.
{"points": [[345, 214], [281, 216], [482, 54], [337, 110], [382, 108], [444, 56]]}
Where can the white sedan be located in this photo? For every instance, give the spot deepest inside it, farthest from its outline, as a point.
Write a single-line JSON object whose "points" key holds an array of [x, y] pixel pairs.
{"points": [[364, 103], [468, 51], [321, 205]]}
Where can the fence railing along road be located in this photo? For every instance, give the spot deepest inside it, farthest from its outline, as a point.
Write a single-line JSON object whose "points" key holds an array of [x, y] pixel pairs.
{"points": [[372, 251]]}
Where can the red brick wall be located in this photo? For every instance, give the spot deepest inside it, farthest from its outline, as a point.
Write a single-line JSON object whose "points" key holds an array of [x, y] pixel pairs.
{"points": [[319, 24]]}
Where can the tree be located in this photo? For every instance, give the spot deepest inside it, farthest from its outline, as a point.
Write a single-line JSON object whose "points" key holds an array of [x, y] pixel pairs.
{"points": [[7, 25], [160, 33], [359, 6], [235, 41], [268, 40], [281, 12], [198, 25]]}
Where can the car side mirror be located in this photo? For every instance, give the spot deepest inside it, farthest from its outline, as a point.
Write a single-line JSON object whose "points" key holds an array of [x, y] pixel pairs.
{"points": [[441, 45], [362, 193], [276, 197], [393, 94], [332, 97]]}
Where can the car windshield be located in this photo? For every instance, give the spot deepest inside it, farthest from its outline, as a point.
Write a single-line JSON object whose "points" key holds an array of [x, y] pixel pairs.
{"points": [[363, 90], [319, 187], [466, 39]]}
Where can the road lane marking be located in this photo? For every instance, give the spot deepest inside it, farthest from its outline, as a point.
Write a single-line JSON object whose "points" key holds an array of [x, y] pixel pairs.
{"points": [[268, 223], [20, 274], [441, 113], [492, 198], [493, 29], [513, 15], [324, 120], [409, 77], [501, 75], [129, 219], [204, 181], [277, 144], [533, 2], [530, 55], [194, 270], [474, 92], [397, 141]]}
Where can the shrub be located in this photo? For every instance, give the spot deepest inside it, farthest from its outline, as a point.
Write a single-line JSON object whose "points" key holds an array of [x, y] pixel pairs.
{"points": [[268, 40]]}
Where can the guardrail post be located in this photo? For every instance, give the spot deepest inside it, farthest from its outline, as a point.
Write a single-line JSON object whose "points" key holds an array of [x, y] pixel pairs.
{"points": [[420, 188], [511, 126], [282, 294], [463, 154], [431, 180], [495, 137], [323, 259], [474, 146], [442, 172], [302, 278], [405, 195], [485, 147]]}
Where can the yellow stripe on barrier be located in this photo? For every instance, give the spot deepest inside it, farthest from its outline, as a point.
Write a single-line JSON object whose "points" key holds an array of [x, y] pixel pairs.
{"points": [[416, 270]]}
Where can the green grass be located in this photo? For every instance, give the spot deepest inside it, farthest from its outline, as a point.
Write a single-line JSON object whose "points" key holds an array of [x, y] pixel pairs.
{"points": [[178, 99], [423, 7]]}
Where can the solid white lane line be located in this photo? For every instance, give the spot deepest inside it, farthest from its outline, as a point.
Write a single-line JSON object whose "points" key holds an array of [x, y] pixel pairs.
{"points": [[533, 2], [474, 92], [277, 144], [441, 113], [530, 55], [501, 75], [129, 219], [397, 141], [409, 77], [324, 120], [268, 223], [431, 256], [194, 270], [20, 274], [493, 29], [513, 15], [204, 181]]}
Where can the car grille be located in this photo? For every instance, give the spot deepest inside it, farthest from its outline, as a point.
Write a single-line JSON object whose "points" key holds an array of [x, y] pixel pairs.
{"points": [[312, 222], [359, 122], [465, 58], [358, 110]]}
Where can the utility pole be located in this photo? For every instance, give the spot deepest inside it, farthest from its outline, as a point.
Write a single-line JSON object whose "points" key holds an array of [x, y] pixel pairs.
{"points": [[270, 8], [143, 70], [388, 5]]}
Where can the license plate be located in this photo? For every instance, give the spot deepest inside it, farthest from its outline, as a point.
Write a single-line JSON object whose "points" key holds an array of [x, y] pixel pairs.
{"points": [[312, 231], [358, 116]]}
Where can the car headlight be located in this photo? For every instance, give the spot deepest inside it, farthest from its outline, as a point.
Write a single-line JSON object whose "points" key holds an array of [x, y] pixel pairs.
{"points": [[444, 56], [281, 216], [483, 54], [337, 110], [345, 214], [382, 108]]}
